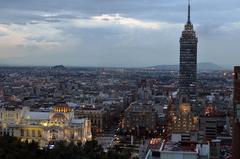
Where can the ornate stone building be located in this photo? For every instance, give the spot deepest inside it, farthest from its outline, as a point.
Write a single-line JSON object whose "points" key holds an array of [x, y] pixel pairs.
{"points": [[44, 127], [184, 120]]}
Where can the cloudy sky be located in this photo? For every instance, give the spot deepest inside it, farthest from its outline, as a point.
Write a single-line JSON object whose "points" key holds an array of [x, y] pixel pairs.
{"points": [[128, 33]]}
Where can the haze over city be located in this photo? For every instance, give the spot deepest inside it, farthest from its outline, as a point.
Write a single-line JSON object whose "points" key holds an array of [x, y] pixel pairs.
{"points": [[115, 33]]}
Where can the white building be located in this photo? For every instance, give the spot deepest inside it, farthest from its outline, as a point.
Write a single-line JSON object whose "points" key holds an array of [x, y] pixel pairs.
{"points": [[44, 127], [179, 150]]}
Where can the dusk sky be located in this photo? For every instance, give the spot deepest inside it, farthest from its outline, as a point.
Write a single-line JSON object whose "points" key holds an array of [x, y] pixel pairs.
{"points": [[125, 33]]}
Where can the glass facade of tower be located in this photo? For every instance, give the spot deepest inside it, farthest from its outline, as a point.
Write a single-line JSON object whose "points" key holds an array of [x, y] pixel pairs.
{"points": [[188, 65]]}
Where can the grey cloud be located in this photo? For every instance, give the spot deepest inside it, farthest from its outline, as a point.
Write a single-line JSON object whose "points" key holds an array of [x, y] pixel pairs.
{"points": [[3, 34], [111, 45]]}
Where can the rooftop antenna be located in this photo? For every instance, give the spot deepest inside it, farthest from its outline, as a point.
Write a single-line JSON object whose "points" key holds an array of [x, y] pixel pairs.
{"points": [[189, 12]]}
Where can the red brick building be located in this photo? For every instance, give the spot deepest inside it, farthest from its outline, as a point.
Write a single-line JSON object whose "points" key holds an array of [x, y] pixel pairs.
{"points": [[236, 124]]}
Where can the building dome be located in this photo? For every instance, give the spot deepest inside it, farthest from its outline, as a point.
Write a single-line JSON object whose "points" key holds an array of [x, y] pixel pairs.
{"points": [[62, 108], [58, 117], [185, 108]]}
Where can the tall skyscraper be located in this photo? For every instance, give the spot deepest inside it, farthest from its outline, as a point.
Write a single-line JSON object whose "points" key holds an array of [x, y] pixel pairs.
{"points": [[188, 63], [236, 123]]}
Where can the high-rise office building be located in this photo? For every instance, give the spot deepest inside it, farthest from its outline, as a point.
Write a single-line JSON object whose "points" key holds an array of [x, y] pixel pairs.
{"points": [[236, 123], [188, 64]]}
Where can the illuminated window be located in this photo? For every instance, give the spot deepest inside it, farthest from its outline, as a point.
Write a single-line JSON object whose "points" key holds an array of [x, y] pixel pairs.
{"points": [[39, 133]]}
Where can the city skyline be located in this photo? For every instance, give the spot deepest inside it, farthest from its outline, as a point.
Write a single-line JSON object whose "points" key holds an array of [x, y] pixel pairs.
{"points": [[119, 79], [114, 34]]}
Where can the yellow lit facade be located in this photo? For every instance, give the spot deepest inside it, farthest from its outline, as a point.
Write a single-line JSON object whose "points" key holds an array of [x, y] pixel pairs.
{"points": [[184, 120], [44, 127]]}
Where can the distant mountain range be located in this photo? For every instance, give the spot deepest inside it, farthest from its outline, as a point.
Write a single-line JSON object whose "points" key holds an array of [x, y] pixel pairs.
{"points": [[208, 66], [204, 66]]}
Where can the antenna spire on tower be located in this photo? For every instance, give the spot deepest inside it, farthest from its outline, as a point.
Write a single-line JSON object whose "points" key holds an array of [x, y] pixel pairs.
{"points": [[189, 12]]}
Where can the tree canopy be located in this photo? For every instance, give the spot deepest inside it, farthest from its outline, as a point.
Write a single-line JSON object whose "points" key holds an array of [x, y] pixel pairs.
{"points": [[13, 148]]}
